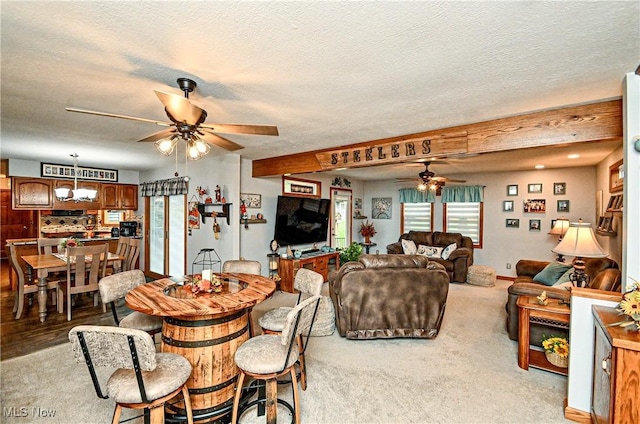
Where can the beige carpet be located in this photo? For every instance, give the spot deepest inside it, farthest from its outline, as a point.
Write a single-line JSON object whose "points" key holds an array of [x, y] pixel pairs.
{"points": [[468, 374]]}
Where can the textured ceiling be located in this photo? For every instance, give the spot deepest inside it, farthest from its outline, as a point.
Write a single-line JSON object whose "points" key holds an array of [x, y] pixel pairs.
{"points": [[326, 73]]}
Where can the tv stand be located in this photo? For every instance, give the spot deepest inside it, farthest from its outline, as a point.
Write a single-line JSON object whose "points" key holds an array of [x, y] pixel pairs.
{"points": [[318, 262]]}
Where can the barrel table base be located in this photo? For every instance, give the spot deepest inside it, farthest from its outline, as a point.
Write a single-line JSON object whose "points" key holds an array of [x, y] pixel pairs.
{"points": [[209, 343]]}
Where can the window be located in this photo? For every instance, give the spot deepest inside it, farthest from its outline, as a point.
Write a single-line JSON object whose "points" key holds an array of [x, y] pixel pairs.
{"points": [[416, 217], [465, 218]]}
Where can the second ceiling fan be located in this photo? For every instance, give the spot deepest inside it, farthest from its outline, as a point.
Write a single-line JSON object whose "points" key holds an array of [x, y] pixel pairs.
{"points": [[429, 179], [187, 123]]}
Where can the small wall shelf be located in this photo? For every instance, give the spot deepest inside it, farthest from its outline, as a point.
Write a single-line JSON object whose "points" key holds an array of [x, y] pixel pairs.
{"points": [[202, 208], [253, 221]]}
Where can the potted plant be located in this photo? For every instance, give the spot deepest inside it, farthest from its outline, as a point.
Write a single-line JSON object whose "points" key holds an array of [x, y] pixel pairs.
{"points": [[630, 306], [556, 349], [70, 242], [367, 230], [351, 253]]}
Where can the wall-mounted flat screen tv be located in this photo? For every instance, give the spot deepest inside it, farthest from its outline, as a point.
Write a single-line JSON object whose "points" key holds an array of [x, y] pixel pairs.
{"points": [[301, 220]]}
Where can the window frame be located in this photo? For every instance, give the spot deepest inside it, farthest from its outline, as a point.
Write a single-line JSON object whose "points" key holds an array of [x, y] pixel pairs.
{"points": [[402, 220], [480, 222]]}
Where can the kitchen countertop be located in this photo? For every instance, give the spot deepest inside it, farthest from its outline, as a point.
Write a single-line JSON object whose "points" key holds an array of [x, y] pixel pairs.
{"points": [[29, 241]]}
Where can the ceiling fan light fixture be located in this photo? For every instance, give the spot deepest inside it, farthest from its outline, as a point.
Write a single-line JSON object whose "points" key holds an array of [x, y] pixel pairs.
{"points": [[166, 145], [422, 187], [202, 146], [193, 152]]}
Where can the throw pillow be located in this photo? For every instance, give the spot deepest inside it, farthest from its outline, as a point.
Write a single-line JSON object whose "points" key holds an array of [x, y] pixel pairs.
{"points": [[551, 273], [433, 252], [409, 247], [564, 278], [422, 250], [446, 252]]}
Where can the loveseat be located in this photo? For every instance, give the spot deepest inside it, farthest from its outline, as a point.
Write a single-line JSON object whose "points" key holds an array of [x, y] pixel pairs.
{"points": [[603, 275], [456, 264], [389, 296]]}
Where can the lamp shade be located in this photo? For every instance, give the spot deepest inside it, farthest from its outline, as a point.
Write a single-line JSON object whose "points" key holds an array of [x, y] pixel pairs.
{"points": [[560, 227], [580, 241]]}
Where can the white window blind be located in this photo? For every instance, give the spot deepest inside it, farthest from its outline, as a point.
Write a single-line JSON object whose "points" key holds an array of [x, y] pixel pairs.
{"points": [[464, 218], [416, 217]]}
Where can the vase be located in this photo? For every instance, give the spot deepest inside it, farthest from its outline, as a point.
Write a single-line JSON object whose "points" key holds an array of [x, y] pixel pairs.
{"points": [[557, 360], [367, 240]]}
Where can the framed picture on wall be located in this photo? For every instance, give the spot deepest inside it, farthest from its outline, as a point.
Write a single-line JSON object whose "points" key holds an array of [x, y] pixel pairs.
{"points": [[512, 190], [563, 206], [512, 223], [534, 188], [559, 188], [535, 206], [300, 187], [507, 206], [534, 225]]}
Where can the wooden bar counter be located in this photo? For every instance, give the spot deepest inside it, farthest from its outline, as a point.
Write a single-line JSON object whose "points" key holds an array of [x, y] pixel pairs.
{"points": [[207, 329]]}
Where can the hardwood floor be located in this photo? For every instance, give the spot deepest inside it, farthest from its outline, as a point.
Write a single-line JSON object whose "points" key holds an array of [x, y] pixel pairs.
{"points": [[28, 334]]}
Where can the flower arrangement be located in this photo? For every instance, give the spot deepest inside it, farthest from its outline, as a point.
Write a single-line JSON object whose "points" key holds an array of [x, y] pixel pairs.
{"points": [[199, 285], [71, 242], [556, 349], [630, 306], [555, 344], [367, 229]]}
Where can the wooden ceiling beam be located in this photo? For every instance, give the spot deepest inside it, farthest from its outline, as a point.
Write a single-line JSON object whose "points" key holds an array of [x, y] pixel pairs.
{"points": [[575, 124]]}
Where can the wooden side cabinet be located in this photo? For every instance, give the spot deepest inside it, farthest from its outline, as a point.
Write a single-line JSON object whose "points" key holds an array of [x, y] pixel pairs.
{"points": [[119, 196], [31, 193], [616, 370], [318, 262]]}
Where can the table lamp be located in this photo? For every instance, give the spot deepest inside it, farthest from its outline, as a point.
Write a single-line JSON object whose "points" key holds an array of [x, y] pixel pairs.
{"points": [[559, 229], [580, 241]]}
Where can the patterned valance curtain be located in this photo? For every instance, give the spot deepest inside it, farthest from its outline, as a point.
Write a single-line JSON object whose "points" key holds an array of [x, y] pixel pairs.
{"points": [[411, 195], [462, 194], [169, 187]]}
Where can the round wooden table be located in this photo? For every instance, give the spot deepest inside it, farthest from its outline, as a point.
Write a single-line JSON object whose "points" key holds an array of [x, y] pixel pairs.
{"points": [[207, 329]]}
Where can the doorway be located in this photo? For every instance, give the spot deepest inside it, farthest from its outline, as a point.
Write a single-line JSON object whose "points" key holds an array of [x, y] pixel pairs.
{"points": [[165, 241], [340, 217]]}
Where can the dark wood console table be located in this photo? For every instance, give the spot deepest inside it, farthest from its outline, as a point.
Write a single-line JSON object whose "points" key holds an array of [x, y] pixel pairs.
{"points": [[318, 262]]}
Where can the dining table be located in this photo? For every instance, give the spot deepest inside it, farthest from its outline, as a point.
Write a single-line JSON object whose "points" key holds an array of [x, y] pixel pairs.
{"points": [[45, 264], [206, 327]]}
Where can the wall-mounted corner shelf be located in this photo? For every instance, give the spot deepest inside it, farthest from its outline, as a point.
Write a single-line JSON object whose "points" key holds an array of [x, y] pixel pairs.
{"points": [[202, 208], [360, 217]]}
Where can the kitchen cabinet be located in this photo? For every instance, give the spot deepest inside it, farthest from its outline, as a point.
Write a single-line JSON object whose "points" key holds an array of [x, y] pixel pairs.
{"points": [[119, 196], [616, 370], [31, 193], [70, 204]]}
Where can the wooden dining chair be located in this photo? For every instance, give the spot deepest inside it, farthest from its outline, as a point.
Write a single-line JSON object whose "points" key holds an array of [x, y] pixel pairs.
{"points": [[122, 249], [23, 288], [86, 265], [133, 253], [48, 246]]}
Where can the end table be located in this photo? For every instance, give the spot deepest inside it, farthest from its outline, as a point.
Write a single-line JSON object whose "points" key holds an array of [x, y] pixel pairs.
{"points": [[530, 311]]}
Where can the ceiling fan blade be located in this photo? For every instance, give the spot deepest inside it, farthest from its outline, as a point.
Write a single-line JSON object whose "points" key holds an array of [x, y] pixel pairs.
{"points": [[180, 109], [158, 136], [243, 129], [220, 141], [447, 180], [115, 115]]}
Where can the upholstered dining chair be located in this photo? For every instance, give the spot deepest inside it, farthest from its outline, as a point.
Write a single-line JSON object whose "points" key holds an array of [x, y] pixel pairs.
{"points": [[308, 283], [86, 265], [144, 378], [23, 288], [114, 288], [269, 356], [246, 267]]}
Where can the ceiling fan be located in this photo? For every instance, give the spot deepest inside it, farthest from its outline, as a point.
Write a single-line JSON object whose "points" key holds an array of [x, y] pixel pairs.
{"points": [[428, 179], [187, 123]]}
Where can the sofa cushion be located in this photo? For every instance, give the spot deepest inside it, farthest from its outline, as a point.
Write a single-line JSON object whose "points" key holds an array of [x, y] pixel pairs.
{"points": [[446, 252], [409, 247], [551, 273], [564, 278]]}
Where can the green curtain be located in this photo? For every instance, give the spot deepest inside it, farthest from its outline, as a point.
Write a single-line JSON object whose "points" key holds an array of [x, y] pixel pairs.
{"points": [[463, 194], [411, 195]]}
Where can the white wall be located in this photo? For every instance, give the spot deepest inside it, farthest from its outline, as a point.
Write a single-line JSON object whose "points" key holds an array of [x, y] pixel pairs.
{"points": [[503, 245]]}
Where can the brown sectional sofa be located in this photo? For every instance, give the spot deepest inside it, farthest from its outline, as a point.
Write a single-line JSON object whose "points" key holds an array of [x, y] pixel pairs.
{"points": [[603, 275], [457, 265], [389, 296]]}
